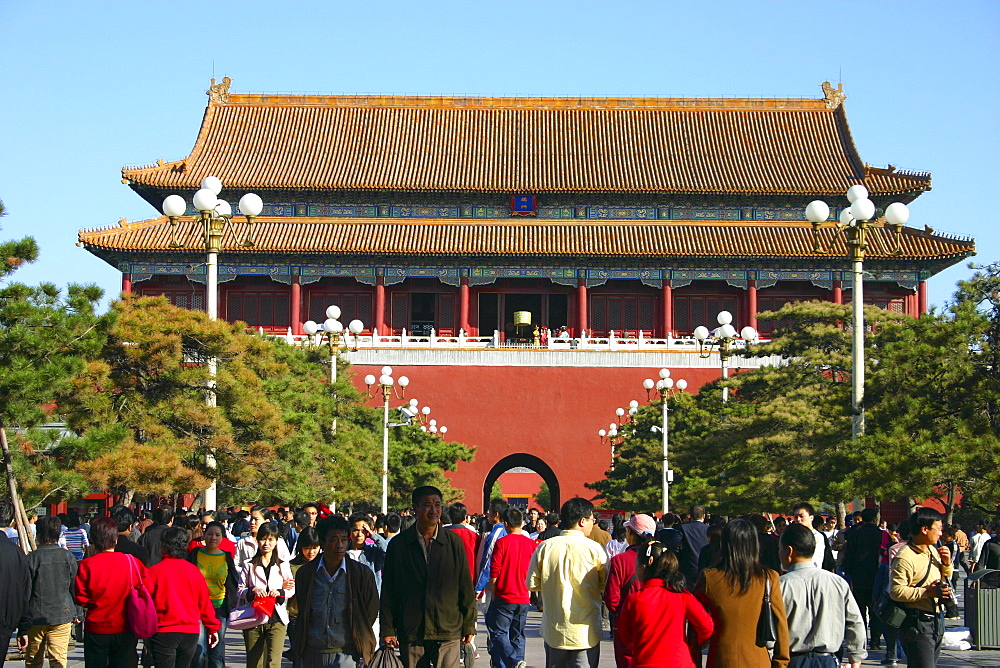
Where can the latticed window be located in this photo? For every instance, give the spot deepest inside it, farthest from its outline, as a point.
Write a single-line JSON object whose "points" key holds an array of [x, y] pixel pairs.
{"points": [[690, 311], [353, 306], [191, 298], [267, 309], [624, 314]]}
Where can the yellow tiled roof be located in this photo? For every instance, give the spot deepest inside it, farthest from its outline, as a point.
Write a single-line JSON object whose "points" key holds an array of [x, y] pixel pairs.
{"points": [[526, 145], [521, 238]]}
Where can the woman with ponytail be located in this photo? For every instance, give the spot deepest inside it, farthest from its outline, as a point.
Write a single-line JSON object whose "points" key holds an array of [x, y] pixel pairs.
{"points": [[652, 621]]}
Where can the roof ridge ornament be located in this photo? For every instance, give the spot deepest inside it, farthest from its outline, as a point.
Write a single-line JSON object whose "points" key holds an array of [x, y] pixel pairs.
{"points": [[219, 93], [834, 96]]}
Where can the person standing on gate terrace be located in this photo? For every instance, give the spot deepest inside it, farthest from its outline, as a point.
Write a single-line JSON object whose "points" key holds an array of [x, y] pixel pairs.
{"points": [[570, 572], [428, 606]]}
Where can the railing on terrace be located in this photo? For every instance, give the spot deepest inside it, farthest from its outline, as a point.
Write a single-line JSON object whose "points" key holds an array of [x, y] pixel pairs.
{"points": [[611, 342]]}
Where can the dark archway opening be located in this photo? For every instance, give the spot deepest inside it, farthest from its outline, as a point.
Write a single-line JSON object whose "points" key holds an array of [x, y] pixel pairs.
{"points": [[527, 461]]}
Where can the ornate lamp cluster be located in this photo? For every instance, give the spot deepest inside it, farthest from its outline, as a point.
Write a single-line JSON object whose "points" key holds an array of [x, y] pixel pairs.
{"points": [[334, 330], [855, 221], [662, 390], [726, 340], [387, 384], [215, 215]]}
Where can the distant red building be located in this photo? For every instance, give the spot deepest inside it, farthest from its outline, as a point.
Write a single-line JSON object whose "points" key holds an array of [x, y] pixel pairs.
{"points": [[435, 220]]}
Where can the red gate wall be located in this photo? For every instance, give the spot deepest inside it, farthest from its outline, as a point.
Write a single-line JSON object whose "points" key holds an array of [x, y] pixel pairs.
{"points": [[550, 412]]}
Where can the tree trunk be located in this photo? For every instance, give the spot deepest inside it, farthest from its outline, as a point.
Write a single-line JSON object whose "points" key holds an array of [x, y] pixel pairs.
{"points": [[8, 462], [841, 514], [950, 505], [127, 496]]}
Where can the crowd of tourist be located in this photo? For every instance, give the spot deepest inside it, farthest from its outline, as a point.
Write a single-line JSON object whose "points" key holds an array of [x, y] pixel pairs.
{"points": [[320, 588]]}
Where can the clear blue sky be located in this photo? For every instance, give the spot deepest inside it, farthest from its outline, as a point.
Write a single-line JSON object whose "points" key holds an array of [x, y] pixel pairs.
{"points": [[91, 86]]}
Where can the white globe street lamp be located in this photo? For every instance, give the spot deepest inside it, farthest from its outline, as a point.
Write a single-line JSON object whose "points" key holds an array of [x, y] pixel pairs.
{"points": [[726, 339], [663, 390], [855, 222], [388, 385], [215, 215]]}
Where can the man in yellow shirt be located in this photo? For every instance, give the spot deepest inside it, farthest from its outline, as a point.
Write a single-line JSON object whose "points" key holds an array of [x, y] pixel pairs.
{"points": [[919, 579], [570, 571]]}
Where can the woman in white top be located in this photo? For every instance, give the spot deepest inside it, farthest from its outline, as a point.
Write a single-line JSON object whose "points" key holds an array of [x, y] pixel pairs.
{"points": [[266, 575]]}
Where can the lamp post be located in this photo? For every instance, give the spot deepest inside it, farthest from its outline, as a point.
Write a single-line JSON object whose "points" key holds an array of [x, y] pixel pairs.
{"points": [[334, 331], [726, 340], [663, 389], [387, 384], [215, 215], [609, 436], [855, 222]]}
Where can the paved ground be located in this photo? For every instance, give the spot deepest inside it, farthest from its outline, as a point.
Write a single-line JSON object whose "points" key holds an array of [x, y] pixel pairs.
{"points": [[236, 656]]}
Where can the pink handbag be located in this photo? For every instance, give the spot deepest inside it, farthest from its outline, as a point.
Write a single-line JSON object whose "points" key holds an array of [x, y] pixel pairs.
{"points": [[140, 611]]}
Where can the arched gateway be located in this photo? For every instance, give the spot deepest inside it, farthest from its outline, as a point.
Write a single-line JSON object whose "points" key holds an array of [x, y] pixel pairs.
{"points": [[527, 461]]}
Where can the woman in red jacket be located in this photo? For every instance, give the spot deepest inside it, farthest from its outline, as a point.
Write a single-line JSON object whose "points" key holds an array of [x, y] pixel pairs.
{"points": [[652, 621], [181, 597], [102, 584]]}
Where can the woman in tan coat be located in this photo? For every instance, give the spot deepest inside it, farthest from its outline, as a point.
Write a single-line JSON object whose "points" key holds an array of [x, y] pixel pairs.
{"points": [[733, 591]]}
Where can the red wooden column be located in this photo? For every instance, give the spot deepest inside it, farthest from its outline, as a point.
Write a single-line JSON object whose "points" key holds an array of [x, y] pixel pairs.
{"points": [[752, 302], [463, 304], [126, 284], [296, 306], [922, 297], [838, 292], [379, 326], [668, 309], [581, 306]]}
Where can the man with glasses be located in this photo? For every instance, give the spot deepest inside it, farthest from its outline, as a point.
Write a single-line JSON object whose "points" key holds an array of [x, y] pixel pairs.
{"points": [[570, 571], [312, 510], [919, 578]]}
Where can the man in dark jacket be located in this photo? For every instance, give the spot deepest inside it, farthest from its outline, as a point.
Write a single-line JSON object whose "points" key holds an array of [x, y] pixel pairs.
{"points": [[865, 544], [164, 519], [695, 539], [47, 621], [338, 603], [428, 603], [125, 518], [14, 583]]}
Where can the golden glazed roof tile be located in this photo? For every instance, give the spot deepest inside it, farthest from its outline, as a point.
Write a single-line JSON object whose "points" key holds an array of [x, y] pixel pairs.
{"points": [[530, 145], [522, 238]]}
